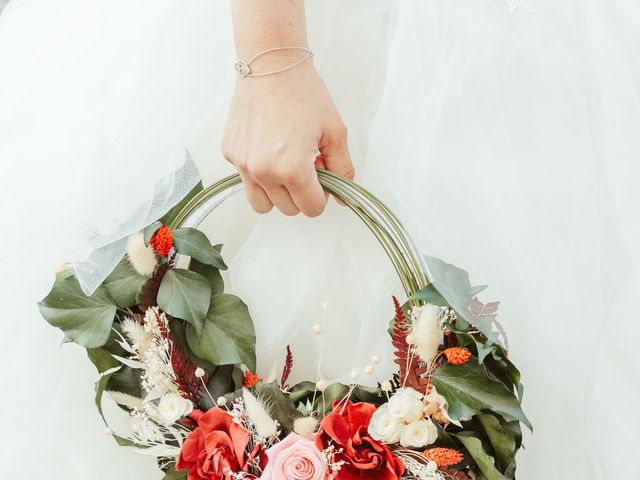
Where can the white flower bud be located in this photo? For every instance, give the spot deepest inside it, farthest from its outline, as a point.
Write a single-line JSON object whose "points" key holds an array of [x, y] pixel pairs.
{"points": [[199, 373], [385, 386], [317, 329], [221, 401], [375, 360], [355, 376], [322, 385], [369, 370]]}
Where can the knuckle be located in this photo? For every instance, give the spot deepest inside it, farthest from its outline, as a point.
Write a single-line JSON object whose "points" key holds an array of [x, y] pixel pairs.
{"points": [[289, 176], [260, 172]]}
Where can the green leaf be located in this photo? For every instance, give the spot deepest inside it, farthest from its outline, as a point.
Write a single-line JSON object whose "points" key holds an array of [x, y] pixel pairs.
{"points": [[124, 284], [212, 274], [84, 320], [185, 294], [485, 462], [228, 335], [194, 243], [102, 359], [452, 283], [430, 295], [502, 440], [469, 391]]}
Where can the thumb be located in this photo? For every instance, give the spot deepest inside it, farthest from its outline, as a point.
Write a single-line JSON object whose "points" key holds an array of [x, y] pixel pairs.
{"points": [[335, 153]]}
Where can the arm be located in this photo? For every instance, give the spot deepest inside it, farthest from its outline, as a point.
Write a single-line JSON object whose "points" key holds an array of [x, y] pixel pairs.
{"points": [[278, 123]]}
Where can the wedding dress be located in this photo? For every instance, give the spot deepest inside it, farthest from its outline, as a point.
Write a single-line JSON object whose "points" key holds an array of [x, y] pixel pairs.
{"points": [[504, 134]]}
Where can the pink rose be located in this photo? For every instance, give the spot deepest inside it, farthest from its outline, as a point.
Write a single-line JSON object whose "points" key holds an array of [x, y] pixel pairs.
{"points": [[295, 458]]}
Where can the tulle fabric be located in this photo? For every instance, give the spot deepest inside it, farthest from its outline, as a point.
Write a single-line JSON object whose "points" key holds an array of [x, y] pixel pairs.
{"points": [[502, 133]]}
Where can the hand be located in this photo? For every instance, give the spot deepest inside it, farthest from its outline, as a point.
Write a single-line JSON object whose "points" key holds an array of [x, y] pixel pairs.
{"points": [[279, 128]]}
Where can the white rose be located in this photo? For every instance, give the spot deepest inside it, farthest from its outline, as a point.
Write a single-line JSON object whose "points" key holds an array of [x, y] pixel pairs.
{"points": [[419, 434], [173, 407], [426, 331], [384, 426], [406, 404]]}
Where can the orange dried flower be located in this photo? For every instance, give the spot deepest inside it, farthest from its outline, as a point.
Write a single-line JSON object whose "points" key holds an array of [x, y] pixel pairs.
{"points": [[457, 355], [250, 379], [443, 457], [162, 241]]}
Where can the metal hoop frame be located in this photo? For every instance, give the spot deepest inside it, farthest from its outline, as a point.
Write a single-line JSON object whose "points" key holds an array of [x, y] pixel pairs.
{"points": [[384, 225]]}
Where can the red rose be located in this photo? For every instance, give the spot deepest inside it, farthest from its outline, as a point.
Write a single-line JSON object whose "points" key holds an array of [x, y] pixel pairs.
{"points": [[215, 449], [347, 428]]}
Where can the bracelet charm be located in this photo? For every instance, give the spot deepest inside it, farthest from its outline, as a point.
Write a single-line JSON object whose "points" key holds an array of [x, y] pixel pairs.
{"points": [[243, 69]]}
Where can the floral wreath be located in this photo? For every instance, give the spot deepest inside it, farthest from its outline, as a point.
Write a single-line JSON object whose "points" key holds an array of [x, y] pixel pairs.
{"points": [[177, 356]]}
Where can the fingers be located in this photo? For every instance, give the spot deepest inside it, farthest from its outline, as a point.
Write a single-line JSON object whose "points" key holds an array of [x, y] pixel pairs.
{"points": [[307, 193], [256, 195], [282, 200], [335, 153]]}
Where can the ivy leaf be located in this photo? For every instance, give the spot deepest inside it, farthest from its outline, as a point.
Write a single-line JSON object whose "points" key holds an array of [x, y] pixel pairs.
{"points": [[85, 320], [124, 284], [185, 294], [486, 463], [469, 390], [228, 335], [212, 274], [194, 243]]}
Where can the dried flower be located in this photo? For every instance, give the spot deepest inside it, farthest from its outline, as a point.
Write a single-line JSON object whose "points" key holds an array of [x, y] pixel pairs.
{"points": [[457, 355], [258, 415], [305, 426], [141, 256], [443, 457], [426, 331], [250, 379], [162, 241]]}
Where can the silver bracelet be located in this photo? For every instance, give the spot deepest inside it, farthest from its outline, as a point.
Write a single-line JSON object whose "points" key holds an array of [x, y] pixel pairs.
{"points": [[243, 69]]}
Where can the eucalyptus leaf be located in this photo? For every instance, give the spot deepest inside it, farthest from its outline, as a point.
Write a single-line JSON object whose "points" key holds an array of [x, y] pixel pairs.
{"points": [[469, 391], [212, 274], [185, 294], [228, 336], [195, 244], [124, 284], [486, 463], [85, 320]]}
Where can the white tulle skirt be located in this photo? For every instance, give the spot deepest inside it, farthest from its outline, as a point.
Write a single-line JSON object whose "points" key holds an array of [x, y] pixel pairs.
{"points": [[503, 133]]}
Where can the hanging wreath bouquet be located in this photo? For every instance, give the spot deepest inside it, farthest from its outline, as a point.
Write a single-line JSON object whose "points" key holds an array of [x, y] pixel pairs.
{"points": [[177, 355]]}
